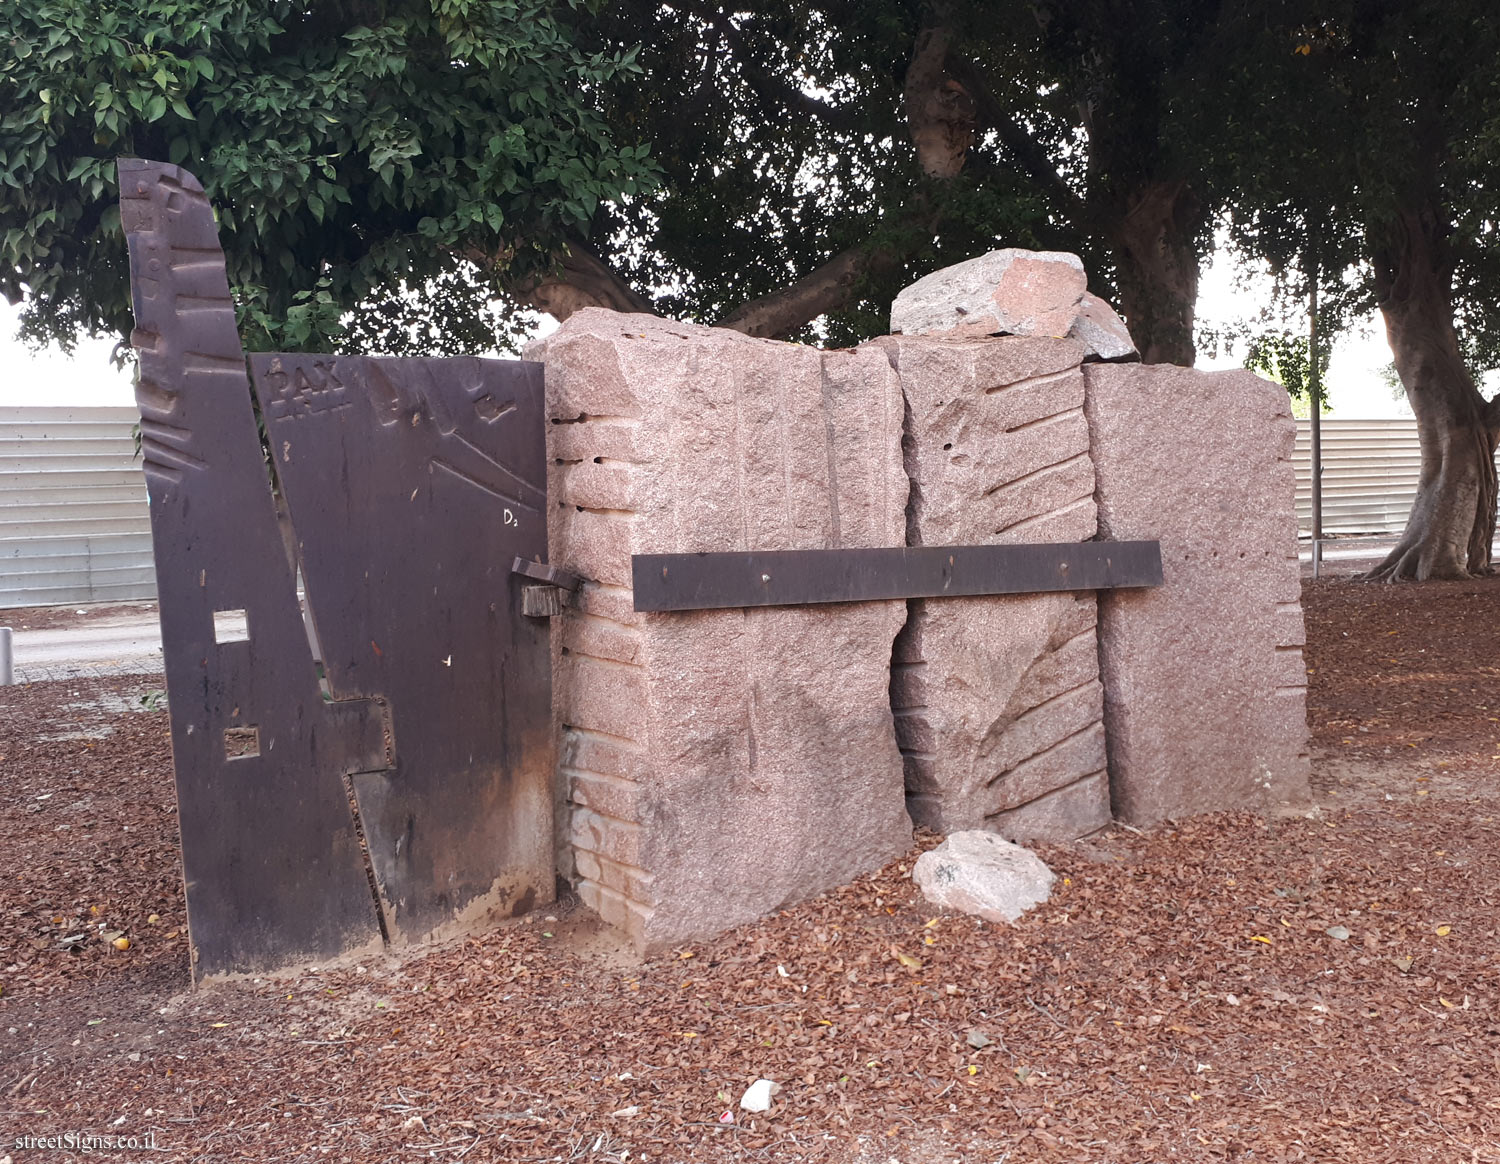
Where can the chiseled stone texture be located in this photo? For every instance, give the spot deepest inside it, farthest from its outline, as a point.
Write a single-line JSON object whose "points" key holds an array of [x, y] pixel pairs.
{"points": [[1205, 686], [720, 764], [997, 699], [1013, 292]]}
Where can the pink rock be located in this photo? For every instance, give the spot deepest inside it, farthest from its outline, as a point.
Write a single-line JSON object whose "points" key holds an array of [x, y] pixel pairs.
{"points": [[1006, 292], [998, 703], [1013, 292], [718, 765], [1205, 687]]}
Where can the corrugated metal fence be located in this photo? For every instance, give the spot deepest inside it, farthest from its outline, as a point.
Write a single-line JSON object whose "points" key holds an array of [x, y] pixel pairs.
{"points": [[74, 526], [1369, 475], [1370, 470]]}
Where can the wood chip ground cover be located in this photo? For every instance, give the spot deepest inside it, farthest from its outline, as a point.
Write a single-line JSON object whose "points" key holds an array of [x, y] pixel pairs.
{"points": [[1181, 996]]}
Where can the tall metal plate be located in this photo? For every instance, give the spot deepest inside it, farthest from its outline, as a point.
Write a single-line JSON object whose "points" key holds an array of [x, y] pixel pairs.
{"points": [[413, 486], [270, 852]]}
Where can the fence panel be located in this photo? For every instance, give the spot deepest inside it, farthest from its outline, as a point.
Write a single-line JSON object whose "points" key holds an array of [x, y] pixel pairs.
{"points": [[74, 526]]}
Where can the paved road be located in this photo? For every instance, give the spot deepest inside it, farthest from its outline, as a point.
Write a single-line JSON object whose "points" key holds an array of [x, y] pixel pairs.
{"points": [[128, 643]]}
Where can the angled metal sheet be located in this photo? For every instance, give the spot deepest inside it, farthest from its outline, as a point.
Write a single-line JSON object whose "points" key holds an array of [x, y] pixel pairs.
{"points": [[270, 852], [413, 486], [797, 577]]}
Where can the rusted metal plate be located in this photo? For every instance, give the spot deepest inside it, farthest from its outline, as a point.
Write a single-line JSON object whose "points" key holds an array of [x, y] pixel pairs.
{"points": [[798, 577], [270, 852], [413, 486]]}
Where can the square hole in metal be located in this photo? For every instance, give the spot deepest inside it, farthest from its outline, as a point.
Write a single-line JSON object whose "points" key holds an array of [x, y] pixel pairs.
{"points": [[231, 626], [241, 742]]}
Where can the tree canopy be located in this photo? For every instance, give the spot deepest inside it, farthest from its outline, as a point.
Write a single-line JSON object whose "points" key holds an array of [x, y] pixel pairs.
{"points": [[410, 175], [355, 153]]}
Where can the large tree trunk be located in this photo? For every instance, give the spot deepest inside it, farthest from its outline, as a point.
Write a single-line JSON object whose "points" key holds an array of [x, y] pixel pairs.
{"points": [[1156, 265], [1452, 521]]}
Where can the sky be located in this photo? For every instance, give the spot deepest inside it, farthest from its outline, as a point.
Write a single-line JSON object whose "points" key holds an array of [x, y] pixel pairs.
{"points": [[1356, 389]]}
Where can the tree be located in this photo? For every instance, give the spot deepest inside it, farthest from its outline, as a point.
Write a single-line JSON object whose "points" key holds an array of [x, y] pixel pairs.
{"points": [[1393, 139], [813, 158], [837, 150], [356, 154]]}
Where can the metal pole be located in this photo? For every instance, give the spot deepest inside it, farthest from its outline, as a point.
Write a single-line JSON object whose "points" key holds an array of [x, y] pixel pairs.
{"points": [[7, 662], [1315, 393]]}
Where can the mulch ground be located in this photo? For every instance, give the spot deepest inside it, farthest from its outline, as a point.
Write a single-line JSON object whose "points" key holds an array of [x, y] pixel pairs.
{"points": [[1181, 997]]}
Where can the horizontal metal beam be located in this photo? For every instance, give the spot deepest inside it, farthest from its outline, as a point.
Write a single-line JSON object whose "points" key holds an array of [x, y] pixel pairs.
{"points": [[800, 577]]}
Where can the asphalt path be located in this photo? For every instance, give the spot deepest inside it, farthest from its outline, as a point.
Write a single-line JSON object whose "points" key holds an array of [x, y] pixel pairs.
{"points": [[126, 643]]}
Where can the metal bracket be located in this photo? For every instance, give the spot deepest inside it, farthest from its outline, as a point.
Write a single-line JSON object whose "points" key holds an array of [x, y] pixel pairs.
{"points": [[722, 581], [552, 575], [544, 601]]}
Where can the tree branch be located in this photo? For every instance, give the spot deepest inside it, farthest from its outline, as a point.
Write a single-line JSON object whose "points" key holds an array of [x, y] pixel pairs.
{"points": [[826, 289], [581, 279], [771, 88], [939, 109], [1028, 153]]}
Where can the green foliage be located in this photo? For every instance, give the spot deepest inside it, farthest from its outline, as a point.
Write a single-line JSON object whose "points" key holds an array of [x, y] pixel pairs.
{"points": [[1336, 114], [1283, 357], [781, 132], [357, 153]]}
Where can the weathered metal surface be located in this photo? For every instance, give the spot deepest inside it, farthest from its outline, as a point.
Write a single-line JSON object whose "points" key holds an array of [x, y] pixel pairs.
{"points": [[536, 602], [270, 854], [720, 581], [413, 486]]}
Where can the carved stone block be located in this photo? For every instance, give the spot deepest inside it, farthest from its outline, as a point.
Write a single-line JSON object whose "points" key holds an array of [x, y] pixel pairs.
{"points": [[998, 704], [1205, 687], [719, 764]]}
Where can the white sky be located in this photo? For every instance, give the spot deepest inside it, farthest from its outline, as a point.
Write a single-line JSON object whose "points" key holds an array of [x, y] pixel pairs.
{"points": [[1355, 388]]}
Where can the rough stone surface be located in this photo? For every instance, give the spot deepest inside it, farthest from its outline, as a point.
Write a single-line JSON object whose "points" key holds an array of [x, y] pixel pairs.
{"points": [[1013, 292], [998, 703], [977, 872], [1101, 331], [719, 764], [1205, 686]]}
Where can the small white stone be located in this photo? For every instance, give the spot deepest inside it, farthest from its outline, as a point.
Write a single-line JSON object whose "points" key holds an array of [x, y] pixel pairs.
{"points": [[757, 1096]]}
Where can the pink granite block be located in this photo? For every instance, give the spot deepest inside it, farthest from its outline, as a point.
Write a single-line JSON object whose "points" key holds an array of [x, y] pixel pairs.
{"points": [[720, 764], [997, 698], [1205, 687]]}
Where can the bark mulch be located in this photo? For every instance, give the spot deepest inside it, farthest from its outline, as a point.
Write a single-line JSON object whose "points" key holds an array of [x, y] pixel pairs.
{"points": [[1225, 988]]}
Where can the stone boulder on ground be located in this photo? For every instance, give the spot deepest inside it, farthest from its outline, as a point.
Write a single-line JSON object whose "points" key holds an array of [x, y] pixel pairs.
{"points": [[977, 872], [1013, 292]]}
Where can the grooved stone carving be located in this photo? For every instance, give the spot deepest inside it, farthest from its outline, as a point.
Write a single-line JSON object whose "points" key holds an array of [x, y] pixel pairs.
{"points": [[719, 764], [997, 699], [1204, 678]]}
